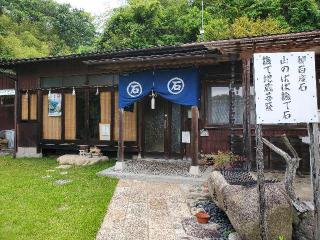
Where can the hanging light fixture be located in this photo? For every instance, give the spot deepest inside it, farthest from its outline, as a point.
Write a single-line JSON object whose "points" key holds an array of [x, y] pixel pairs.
{"points": [[153, 100], [97, 92], [73, 92]]}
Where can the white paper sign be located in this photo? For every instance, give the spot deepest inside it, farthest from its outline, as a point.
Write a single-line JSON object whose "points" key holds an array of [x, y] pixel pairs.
{"points": [[285, 88], [185, 137], [104, 130], [7, 92]]}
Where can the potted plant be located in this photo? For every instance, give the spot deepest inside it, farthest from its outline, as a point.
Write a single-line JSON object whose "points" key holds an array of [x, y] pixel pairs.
{"points": [[202, 217]]}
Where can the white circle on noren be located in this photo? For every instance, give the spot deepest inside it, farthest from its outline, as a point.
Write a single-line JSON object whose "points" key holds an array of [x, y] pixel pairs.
{"points": [[134, 89], [175, 85]]}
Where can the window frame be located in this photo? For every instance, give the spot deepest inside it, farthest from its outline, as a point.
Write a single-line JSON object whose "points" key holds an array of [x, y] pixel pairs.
{"points": [[7, 105]]}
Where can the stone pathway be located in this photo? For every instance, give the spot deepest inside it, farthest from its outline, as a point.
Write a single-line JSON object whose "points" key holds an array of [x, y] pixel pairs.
{"points": [[145, 210], [159, 170], [61, 170]]}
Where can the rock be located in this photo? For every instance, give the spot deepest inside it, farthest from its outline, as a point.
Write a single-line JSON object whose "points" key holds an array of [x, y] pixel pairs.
{"points": [[46, 177], [64, 167], [80, 160], [303, 224], [62, 181], [234, 236], [240, 203]]}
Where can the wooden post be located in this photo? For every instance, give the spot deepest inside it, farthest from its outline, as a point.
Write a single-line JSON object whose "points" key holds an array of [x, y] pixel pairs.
{"points": [[232, 107], [140, 127], [194, 170], [261, 183], [313, 130], [16, 99], [246, 74], [120, 162]]}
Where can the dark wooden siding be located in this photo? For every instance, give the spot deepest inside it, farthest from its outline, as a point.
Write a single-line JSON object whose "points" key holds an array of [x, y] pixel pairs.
{"points": [[28, 134], [6, 82], [6, 112]]}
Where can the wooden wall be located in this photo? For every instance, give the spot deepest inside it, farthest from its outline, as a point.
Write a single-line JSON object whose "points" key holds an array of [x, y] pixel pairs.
{"points": [[105, 106], [70, 116], [6, 112], [130, 123]]}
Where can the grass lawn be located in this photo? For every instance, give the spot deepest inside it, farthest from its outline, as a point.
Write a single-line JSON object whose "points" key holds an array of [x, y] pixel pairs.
{"points": [[33, 207]]}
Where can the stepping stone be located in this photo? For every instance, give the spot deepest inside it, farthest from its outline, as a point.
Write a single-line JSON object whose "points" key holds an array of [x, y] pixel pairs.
{"points": [[51, 170], [63, 208], [62, 181], [63, 167], [63, 173], [46, 177]]}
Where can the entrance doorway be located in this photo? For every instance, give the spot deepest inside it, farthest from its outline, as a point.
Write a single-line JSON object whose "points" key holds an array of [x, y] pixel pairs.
{"points": [[162, 129]]}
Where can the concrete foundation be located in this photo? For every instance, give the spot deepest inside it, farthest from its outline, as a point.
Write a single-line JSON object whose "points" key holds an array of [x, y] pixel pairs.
{"points": [[119, 166], [194, 170], [29, 152]]}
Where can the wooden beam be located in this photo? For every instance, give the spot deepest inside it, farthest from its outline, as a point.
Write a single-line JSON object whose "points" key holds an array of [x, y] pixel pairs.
{"points": [[313, 130], [120, 141], [195, 135]]}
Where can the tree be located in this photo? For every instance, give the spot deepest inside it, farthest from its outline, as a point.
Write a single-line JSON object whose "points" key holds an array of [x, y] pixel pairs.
{"points": [[150, 23], [64, 29], [164, 22], [20, 40]]}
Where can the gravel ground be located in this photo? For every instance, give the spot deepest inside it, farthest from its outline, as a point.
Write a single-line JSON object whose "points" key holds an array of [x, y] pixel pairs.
{"points": [[242, 177], [161, 167]]}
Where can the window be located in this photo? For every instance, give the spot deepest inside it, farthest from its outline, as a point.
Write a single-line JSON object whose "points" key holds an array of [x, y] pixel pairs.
{"points": [[218, 105], [103, 80], [79, 80], [239, 104], [28, 106], [7, 100]]}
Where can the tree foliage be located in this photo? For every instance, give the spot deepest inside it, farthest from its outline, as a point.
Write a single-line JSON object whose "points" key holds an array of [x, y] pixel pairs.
{"points": [[32, 28], [144, 23]]}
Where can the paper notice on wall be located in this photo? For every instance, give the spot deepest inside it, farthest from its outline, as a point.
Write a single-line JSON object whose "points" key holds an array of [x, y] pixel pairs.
{"points": [[104, 130], [186, 137], [54, 105]]}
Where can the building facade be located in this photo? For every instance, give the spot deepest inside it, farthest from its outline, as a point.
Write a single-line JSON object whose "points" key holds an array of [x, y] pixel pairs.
{"points": [[68, 101]]}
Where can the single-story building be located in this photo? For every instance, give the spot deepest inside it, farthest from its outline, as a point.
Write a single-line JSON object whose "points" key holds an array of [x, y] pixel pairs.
{"points": [[168, 101]]}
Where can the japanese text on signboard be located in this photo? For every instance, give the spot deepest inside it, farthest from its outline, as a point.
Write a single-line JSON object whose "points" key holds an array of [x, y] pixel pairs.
{"points": [[285, 87]]}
